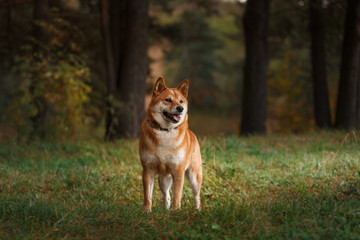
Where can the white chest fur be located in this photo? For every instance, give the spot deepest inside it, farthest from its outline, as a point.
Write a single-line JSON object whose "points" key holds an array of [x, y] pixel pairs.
{"points": [[167, 150]]}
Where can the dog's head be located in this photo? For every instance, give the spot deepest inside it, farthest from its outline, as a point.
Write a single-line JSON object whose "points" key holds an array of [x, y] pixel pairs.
{"points": [[169, 106]]}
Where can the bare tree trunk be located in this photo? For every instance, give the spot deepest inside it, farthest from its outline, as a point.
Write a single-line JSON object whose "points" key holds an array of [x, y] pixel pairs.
{"points": [[110, 67], [254, 105], [129, 37], [320, 88], [346, 112], [41, 35], [42, 16], [117, 29], [8, 19], [134, 69], [105, 22], [358, 102]]}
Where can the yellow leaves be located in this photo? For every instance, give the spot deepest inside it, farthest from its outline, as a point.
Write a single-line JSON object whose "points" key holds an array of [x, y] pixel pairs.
{"points": [[63, 85], [75, 96], [56, 73], [290, 96]]}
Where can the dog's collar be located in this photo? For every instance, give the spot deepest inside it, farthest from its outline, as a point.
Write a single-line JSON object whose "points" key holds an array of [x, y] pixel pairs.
{"points": [[157, 126]]}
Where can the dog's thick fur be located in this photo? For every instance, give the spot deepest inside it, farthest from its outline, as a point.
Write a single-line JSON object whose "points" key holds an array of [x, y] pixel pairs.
{"points": [[167, 147]]}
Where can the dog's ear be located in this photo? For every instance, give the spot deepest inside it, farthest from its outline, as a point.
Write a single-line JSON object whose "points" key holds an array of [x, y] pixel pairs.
{"points": [[159, 86], [184, 87]]}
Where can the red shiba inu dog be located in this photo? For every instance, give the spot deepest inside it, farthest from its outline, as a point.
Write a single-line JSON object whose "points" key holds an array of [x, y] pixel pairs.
{"points": [[167, 147]]}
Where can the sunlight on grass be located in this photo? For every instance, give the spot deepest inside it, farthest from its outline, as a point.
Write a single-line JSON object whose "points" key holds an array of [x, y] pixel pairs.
{"points": [[287, 187]]}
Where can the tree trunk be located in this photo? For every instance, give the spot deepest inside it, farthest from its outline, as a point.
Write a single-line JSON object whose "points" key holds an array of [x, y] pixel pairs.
{"points": [[8, 20], [254, 103], [358, 102], [346, 112], [110, 67], [320, 88], [117, 29], [41, 34], [42, 15], [131, 67], [109, 59], [134, 69]]}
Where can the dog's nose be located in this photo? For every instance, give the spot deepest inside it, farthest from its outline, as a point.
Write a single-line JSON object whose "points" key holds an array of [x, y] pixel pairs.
{"points": [[179, 108]]}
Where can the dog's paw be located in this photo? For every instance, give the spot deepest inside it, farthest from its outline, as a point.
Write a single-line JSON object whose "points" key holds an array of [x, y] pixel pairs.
{"points": [[147, 208]]}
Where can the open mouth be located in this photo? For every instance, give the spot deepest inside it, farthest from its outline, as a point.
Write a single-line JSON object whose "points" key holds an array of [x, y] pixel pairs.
{"points": [[173, 117]]}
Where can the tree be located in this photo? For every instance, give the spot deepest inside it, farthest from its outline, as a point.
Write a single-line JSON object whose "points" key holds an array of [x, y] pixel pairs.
{"points": [[129, 30], [42, 16], [255, 23], [347, 112], [110, 65], [318, 62]]}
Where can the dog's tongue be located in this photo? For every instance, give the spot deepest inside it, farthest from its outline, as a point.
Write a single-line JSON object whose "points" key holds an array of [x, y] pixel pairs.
{"points": [[176, 117]]}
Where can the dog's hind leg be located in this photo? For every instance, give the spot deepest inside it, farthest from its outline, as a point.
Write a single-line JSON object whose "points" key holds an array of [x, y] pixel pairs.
{"points": [[165, 184], [194, 175]]}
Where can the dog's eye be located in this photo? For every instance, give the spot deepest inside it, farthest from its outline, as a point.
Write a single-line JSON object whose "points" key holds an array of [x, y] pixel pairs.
{"points": [[168, 100], [181, 101]]}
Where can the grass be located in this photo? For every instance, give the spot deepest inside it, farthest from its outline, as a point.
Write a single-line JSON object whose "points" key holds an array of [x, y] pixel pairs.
{"points": [[273, 187]]}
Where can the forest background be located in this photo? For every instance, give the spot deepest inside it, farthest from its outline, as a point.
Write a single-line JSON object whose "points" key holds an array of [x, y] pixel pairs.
{"points": [[76, 76], [69, 70]]}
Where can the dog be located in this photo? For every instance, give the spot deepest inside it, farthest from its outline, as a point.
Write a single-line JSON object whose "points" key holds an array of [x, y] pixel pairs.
{"points": [[167, 147]]}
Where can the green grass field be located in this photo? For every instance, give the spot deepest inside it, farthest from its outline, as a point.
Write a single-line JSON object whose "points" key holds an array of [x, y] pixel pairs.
{"points": [[273, 187]]}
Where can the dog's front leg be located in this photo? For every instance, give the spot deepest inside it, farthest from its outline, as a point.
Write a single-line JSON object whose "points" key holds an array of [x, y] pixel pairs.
{"points": [[178, 179], [148, 185]]}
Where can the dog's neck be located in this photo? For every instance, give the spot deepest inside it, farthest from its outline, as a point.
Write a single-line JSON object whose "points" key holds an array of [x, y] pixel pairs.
{"points": [[157, 126]]}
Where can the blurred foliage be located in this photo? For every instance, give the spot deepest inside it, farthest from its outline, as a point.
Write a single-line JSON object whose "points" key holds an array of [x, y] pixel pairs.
{"points": [[290, 93], [290, 97], [290, 107], [202, 41], [197, 60], [63, 86], [52, 80]]}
